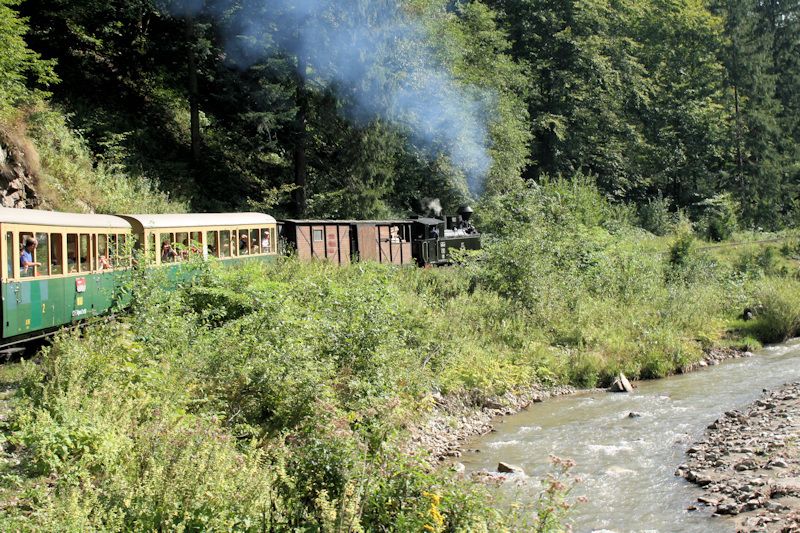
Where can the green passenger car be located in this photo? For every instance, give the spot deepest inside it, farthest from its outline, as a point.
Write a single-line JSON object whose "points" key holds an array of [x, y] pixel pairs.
{"points": [[76, 262]]}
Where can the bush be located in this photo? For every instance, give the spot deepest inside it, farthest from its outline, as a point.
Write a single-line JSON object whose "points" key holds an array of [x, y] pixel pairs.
{"points": [[757, 263], [719, 217], [654, 216], [777, 302], [290, 385]]}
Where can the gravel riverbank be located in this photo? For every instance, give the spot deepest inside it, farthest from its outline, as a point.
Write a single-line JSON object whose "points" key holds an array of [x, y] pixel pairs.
{"points": [[457, 418], [749, 463]]}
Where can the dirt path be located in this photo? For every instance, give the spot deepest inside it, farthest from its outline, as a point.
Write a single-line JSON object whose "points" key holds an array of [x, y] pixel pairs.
{"points": [[749, 463]]}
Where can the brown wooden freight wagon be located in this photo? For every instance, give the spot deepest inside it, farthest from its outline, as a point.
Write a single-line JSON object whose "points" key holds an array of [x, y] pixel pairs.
{"points": [[342, 241]]}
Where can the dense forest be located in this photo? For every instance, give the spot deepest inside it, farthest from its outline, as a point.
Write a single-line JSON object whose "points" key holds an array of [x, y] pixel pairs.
{"points": [[331, 108]]}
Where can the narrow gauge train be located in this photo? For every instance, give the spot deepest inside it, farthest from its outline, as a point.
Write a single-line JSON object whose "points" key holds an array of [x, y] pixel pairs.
{"points": [[62, 268]]}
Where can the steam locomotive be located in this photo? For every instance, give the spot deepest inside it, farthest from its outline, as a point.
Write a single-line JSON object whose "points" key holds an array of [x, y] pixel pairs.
{"points": [[63, 268]]}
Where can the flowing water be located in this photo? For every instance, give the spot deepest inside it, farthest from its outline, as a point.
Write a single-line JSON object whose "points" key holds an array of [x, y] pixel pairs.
{"points": [[628, 464]]}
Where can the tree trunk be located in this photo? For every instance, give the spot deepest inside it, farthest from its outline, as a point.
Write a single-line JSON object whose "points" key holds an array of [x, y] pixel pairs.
{"points": [[300, 164], [194, 108], [738, 124]]}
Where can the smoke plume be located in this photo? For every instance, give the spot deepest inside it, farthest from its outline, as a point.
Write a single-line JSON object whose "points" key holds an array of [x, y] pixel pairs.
{"points": [[378, 58], [433, 205]]}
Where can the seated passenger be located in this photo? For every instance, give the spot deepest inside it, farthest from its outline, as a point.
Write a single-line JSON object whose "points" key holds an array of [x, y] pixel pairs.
{"points": [[244, 245], [265, 243], [185, 249], [394, 234], [103, 263], [26, 257], [467, 227]]}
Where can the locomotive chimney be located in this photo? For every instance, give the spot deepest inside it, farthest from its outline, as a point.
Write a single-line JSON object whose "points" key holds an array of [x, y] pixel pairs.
{"points": [[466, 212]]}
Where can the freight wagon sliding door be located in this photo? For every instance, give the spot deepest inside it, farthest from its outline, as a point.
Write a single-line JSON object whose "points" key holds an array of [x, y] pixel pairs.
{"points": [[303, 242], [367, 242], [343, 244], [392, 247]]}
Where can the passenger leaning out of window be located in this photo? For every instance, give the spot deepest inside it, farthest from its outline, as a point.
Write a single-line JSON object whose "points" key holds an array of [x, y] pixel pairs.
{"points": [[168, 255], [26, 257]]}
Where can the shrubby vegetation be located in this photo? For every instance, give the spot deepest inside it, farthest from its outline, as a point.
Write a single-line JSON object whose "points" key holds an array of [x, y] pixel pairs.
{"points": [[276, 397], [70, 178], [36, 136]]}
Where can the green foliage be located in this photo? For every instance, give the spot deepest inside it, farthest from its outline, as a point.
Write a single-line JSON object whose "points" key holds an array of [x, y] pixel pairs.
{"points": [[777, 305], [18, 61], [655, 217], [276, 396], [719, 219], [682, 252], [66, 175], [759, 263], [669, 102], [247, 409]]}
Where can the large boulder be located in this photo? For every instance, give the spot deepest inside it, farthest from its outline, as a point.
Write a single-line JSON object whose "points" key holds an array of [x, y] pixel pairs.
{"points": [[508, 468], [621, 384]]}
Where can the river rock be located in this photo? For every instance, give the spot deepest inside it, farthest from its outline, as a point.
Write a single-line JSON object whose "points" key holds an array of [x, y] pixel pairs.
{"points": [[708, 500], [621, 384], [778, 463], [507, 468], [728, 507], [492, 404]]}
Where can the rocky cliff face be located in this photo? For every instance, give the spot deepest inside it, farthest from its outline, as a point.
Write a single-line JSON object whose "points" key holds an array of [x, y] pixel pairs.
{"points": [[19, 166]]}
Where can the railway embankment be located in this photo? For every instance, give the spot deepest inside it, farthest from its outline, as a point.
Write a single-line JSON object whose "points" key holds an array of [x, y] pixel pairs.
{"points": [[748, 463]]}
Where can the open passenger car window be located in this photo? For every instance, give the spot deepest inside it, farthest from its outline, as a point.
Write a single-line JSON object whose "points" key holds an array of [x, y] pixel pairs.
{"points": [[56, 254], [85, 253], [42, 255], [25, 272], [72, 252], [225, 243], [255, 242], [11, 255], [211, 243]]}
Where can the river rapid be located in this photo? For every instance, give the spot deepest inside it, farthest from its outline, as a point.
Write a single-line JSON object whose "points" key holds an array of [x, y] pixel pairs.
{"points": [[627, 464]]}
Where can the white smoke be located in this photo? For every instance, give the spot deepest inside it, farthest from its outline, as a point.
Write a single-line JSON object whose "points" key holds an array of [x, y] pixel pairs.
{"points": [[377, 57], [433, 205]]}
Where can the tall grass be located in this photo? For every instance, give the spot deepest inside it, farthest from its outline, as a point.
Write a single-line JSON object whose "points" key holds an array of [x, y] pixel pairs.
{"points": [[777, 309]]}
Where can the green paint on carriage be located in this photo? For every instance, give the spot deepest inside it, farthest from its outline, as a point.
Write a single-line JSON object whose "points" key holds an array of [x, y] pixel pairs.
{"points": [[36, 305]]}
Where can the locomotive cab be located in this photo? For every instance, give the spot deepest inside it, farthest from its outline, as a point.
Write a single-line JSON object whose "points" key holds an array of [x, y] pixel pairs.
{"points": [[434, 239]]}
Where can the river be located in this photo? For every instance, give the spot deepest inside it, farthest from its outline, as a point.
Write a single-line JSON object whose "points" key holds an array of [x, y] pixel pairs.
{"points": [[627, 464]]}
